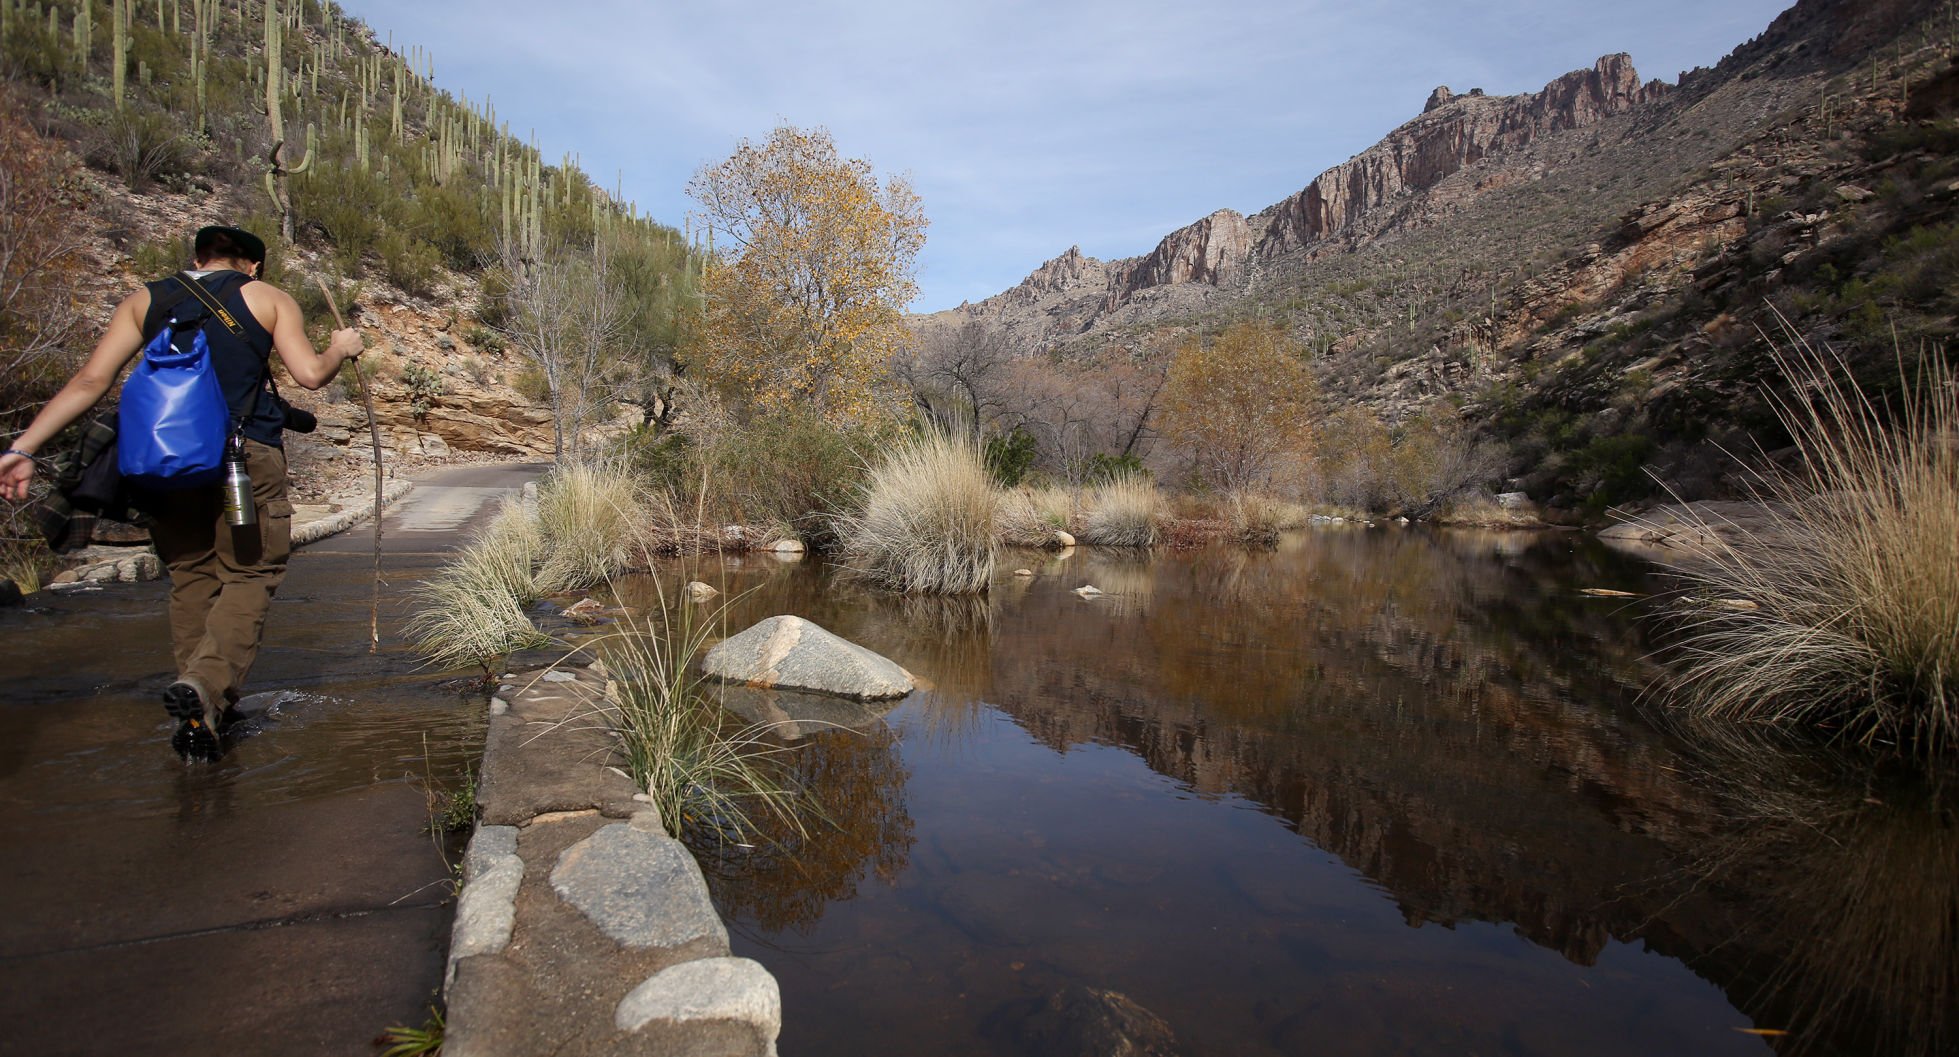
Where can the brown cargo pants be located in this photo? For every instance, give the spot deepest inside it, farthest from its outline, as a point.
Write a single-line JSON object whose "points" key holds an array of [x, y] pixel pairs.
{"points": [[222, 578]]}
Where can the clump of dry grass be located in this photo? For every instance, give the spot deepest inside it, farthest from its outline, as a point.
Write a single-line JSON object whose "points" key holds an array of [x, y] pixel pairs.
{"points": [[592, 518], [1030, 517], [1123, 512], [1854, 578], [926, 518], [466, 614], [1254, 519]]}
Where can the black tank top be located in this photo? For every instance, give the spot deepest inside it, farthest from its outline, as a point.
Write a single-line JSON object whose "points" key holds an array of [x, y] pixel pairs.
{"points": [[243, 363]]}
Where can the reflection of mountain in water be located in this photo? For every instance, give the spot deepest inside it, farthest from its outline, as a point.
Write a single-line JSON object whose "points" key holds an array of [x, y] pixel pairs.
{"points": [[1451, 718], [1409, 702], [1455, 722]]}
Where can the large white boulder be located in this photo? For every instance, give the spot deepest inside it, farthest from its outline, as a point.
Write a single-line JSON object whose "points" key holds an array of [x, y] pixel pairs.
{"points": [[790, 653]]}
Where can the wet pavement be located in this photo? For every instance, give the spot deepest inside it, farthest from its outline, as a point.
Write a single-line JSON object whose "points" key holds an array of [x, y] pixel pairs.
{"points": [[288, 899]]}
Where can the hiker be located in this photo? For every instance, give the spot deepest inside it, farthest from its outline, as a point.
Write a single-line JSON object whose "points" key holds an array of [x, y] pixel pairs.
{"points": [[221, 578]]}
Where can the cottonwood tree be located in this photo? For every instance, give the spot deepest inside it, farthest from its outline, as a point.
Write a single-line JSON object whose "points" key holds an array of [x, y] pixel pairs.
{"points": [[805, 300], [1236, 406]]}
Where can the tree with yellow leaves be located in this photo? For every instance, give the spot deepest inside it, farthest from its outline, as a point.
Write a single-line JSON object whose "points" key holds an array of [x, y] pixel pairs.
{"points": [[812, 271], [1238, 405]]}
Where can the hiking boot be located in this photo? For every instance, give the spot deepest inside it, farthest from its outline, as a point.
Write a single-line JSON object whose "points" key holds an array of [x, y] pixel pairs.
{"points": [[197, 721]]}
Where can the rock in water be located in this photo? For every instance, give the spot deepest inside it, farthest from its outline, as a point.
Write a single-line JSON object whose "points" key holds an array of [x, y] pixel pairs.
{"points": [[790, 653], [10, 593], [699, 591], [1090, 1022]]}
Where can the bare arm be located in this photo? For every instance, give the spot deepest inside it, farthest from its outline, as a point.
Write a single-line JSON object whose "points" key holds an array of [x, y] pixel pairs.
{"points": [[309, 367], [119, 344]]}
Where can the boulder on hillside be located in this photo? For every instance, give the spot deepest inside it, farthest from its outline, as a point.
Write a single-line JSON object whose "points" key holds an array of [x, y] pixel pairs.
{"points": [[790, 653]]}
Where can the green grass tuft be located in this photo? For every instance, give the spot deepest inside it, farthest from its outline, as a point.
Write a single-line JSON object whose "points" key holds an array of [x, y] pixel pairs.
{"points": [[706, 775]]}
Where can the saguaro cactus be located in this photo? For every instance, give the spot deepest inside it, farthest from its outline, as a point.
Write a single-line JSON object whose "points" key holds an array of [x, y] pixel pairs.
{"points": [[279, 169]]}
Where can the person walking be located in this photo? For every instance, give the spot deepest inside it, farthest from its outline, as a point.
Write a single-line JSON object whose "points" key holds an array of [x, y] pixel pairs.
{"points": [[222, 578]]}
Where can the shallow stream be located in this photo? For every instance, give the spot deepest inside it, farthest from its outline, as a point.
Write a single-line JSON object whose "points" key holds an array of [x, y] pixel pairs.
{"points": [[1379, 791]]}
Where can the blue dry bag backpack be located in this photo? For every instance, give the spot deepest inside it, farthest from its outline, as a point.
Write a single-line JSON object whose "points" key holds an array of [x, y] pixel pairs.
{"points": [[173, 421]]}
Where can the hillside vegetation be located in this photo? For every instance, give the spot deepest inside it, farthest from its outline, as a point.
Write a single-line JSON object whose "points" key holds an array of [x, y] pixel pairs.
{"points": [[290, 119]]}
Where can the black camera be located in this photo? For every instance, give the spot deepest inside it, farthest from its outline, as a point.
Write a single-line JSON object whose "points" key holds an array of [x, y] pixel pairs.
{"points": [[298, 419]]}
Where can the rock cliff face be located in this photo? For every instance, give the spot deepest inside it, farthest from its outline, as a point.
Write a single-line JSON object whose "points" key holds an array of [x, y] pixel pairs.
{"points": [[1353, 201], [1452, 133]]}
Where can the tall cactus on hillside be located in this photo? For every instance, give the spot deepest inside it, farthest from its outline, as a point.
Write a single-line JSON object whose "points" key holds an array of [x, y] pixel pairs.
{"points": [[119, 14], [278, 170]]}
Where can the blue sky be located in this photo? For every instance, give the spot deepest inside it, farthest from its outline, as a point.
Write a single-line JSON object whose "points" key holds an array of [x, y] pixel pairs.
{"points": [[1026, 127]]}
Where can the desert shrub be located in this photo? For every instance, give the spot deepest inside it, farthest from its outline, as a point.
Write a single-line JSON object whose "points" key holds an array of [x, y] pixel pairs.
{"points": [[509, 548], [792, 468], [141, 145], [591, 518], [1437, 459], [409, 263], [1843, 612], [925, 518], [1010, 455], [1123, 512]]}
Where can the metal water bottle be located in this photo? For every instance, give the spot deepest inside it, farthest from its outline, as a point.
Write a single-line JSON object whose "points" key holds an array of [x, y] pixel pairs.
{"points": [[239, 510]]}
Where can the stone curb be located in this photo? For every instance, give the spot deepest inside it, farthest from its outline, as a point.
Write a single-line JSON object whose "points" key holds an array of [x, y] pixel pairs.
{"points": [[582, 928], [320, 528], [142, 564]]}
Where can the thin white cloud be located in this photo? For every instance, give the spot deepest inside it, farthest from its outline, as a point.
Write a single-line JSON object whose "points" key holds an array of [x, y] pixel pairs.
{"points": [[1027, 126]]}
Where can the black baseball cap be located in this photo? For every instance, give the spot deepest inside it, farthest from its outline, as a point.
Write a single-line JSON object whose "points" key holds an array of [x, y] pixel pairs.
{"points": [[249, 246]]}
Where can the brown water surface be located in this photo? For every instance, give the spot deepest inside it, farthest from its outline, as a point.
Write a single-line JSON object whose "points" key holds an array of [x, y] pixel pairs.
{"points": [[1377, 792]]}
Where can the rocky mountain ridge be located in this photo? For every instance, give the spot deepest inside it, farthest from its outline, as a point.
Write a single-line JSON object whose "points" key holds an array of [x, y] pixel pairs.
{"points": [[1345, 205]]}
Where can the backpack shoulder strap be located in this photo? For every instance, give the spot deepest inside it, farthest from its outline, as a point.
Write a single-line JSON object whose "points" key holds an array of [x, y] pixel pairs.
{"points": [[197, 290], [165, 296]]}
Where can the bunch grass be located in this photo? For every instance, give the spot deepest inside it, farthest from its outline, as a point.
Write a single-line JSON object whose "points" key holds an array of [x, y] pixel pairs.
{"points": [[1842, 611], [706, 775], [1125, 511], [925, 521], [592, 517], [466, 615]]}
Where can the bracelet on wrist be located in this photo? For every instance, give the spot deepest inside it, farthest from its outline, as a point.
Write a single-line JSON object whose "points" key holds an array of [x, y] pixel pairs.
{"points": [[28, 455]]}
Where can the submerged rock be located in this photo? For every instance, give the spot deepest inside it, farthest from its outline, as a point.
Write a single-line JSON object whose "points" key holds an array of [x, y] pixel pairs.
{"points": [[1088, 590], [1090, 1022], [700, 592], [790, 653]]}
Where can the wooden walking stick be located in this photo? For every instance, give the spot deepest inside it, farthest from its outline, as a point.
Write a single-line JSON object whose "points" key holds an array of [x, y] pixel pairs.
{"points": [[374, 434]]}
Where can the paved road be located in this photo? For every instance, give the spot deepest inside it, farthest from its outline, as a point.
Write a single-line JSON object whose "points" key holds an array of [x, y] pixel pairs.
{"points": [[286, 900]]}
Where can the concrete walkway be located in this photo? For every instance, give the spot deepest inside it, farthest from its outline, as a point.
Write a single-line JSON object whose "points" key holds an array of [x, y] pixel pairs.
{"points": [[288, 899]]}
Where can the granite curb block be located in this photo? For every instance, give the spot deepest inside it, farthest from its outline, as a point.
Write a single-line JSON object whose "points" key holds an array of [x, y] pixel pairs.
{"points": [[582, 928], [355, 513], [144, 565]]}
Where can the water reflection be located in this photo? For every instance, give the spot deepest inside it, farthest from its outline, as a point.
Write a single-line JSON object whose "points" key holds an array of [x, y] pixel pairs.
{"points": [[1852, 882], [1444, 715], [858, 830]]}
